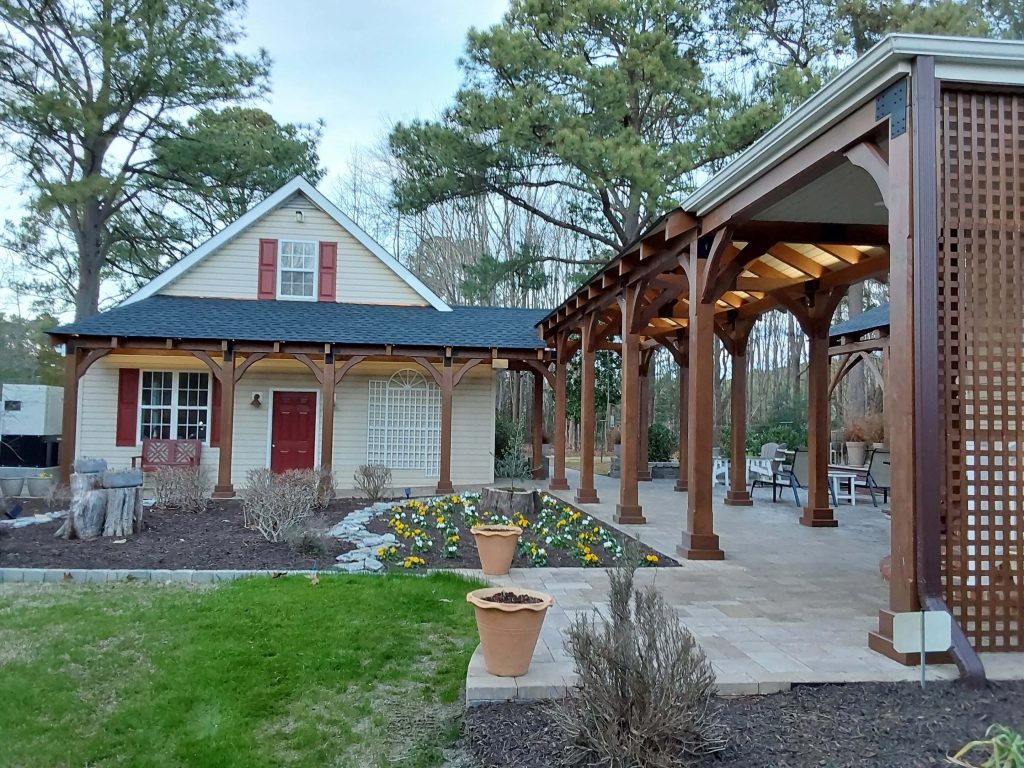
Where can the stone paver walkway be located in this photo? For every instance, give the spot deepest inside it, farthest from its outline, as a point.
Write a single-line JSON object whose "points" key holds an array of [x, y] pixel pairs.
{"points": [[790, 604]]}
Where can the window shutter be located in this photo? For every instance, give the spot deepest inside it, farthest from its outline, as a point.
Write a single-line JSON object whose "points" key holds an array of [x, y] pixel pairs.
{"points": [[266, 287], [328, 271], [127, 406], [214, 432]]}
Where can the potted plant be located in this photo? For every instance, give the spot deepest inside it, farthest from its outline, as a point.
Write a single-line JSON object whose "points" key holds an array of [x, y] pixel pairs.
{"points": [[39, 485], [11, 486], [496, 545], [856, 443], [615, 436], [508, 620], [874, 430]]}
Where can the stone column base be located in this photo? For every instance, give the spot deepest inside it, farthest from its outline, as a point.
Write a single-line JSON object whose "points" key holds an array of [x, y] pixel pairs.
{"points": [[700, 547], [587, 496], [224, 491], [630, 514], [558, 484], [738, 498], [818, 517], [881, 642]]}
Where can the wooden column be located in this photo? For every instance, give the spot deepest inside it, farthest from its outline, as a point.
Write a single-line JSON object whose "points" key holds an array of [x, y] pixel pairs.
{"points": [[327, 390], [69, 423], [558, 481], [735, 334], [699, 541], [444, 477], [684, 437], [628, 511], [225, 489], [586, 493], [643, 468], [537, 428]]}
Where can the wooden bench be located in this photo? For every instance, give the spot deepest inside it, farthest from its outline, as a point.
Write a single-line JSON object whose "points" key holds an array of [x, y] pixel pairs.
{"points": [[163, 454]]}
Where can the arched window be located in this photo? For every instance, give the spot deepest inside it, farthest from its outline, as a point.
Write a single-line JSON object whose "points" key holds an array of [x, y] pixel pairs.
{"points": [[404, 423]]}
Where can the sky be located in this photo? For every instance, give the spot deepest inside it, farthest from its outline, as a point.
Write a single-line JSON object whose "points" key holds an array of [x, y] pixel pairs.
{"points": [[357, 65]]}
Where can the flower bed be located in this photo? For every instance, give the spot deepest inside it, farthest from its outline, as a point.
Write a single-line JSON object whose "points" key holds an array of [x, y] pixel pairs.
{"points": [[435, 533]]}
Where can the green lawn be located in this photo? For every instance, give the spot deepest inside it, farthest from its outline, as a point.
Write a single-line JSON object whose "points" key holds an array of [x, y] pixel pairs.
{"points": [[355, 671]]}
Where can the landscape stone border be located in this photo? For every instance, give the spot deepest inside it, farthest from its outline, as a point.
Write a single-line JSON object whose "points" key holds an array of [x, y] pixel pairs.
{"points": [[352, 529], [110, 575]]}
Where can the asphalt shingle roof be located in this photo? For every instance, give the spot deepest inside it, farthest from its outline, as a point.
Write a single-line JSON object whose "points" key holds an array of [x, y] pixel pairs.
{"points": [[180, 317], [871, 320]]}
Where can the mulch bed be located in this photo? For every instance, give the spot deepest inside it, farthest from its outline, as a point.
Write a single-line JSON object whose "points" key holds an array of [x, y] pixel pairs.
{"points": [[868, 725], [213, 539], [467, 556]]}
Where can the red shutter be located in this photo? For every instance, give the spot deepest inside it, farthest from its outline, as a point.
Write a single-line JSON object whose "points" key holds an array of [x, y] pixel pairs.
{"points": [[266, 287], [328, 271], [127, 406], [215, 414]]}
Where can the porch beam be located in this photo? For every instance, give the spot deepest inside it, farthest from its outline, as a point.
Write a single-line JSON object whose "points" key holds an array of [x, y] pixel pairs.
{"points": [[586, 493], [558, 480], [628, 510], [737, 332], [225, 489]]}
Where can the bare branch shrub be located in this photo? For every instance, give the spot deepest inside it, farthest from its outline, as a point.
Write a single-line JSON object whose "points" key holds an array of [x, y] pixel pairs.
{"points": [[324, 488], [308, 539], [184, 488], [272, 504], [59, 495], [646, 691], [373, 480]]}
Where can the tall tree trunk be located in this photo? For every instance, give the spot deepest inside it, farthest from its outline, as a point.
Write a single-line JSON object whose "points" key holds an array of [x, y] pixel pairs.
{"points": [[856, 402], [90, 263]]}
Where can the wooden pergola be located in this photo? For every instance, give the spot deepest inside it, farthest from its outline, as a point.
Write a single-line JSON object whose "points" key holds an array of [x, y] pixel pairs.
{"points": [[856, 341], [865, 180]]}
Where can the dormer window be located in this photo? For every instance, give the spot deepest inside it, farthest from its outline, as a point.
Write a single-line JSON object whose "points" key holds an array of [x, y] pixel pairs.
{"points": [[297, 270]]}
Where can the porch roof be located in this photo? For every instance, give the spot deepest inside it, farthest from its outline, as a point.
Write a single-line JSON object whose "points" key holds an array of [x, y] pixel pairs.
{"points": [[875, 319], [180, 317]]}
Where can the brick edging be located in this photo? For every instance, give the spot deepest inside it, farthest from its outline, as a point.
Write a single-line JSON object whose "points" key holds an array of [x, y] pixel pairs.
{"points": [[105, 575]]}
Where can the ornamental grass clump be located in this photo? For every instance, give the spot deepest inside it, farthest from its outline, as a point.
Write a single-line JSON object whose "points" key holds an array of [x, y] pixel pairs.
{"points": [[645, 697]]}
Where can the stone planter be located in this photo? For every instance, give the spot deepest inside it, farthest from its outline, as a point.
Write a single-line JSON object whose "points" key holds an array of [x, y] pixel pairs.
{"points": [[508, 631], [509, 501], [39, 487], [496, 545], [11, 486], [856, 454]]}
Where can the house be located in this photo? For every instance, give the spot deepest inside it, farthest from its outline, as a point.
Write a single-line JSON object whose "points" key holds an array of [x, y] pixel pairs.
{"points": [[292, 340]]}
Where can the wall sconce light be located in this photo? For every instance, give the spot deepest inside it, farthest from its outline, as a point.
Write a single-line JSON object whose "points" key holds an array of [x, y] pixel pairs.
{"points": [[256, 401], [298, 217]]}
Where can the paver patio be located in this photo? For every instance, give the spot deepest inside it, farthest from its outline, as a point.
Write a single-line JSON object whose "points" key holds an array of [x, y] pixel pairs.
{"points": [[790, 604]]}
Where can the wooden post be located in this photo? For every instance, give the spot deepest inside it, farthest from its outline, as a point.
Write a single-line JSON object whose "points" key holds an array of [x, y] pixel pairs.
{"points": [[586, 493], [684, 413], [537, 430], [628, 511], [699, 541], [444, 479], [69, 423], [224, 489], [738, 333], [818, 513], [558, 481], [643, 469], [327, 390]]}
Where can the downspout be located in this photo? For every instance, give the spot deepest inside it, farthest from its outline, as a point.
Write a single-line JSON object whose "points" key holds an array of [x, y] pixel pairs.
{"points": [[927, 437]]}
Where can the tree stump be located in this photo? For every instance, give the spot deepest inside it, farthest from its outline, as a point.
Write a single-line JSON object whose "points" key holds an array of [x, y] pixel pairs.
{"points": [[98, 510], [509, 502]]}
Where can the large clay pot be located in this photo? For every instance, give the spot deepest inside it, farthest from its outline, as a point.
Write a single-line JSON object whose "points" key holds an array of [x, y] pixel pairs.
{"points": [[11, 486], [39, 487], [508, 631], [496, 545]]}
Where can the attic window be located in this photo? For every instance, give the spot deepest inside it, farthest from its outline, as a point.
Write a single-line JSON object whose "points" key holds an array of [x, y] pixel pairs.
{"points": [[297, 268]]}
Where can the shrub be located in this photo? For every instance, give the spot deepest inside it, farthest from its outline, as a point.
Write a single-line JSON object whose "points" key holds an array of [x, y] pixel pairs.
{"points": [[309, 540], [184, 488], [373, 480], [273, 504], [661, 443], [324, 488], [512, 463], [646, 691], [504, 430]]}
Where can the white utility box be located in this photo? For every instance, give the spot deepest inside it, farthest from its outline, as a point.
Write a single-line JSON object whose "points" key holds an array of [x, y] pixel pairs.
{"points": [[31, 410]]}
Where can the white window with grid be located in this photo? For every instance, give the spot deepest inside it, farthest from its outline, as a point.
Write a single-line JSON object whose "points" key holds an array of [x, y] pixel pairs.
{"points": [[404, 423], [296, 270], [174, 405]]}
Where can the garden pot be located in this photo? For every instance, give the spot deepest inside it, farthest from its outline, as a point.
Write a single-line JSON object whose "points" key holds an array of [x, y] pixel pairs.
{"points": [[508, 631], [856, 454], [11, 486], [496, 545], [39, 487]]}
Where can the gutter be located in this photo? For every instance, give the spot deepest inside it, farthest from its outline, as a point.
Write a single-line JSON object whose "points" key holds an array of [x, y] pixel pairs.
{"points": [[927, 437]]}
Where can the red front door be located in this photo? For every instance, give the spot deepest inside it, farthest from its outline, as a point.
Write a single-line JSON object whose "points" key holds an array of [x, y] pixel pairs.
{"points": [[293, 431]]}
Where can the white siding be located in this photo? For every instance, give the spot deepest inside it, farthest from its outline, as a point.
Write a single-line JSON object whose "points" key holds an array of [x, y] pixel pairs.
{"points": [[231, 271], [472, 430]]}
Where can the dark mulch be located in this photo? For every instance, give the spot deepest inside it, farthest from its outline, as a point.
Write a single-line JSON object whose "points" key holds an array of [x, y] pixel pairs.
{"points": [[868, 725], [469, 558], [215, 538]]}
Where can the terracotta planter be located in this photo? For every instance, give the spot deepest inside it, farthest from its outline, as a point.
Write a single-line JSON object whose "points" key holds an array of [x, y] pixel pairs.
{"points": [[508, 631], [496, 545]]}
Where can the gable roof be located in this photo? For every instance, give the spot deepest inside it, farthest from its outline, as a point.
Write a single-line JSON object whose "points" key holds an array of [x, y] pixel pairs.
{"points": [[873, 319], [254, 214], [187, 317]]}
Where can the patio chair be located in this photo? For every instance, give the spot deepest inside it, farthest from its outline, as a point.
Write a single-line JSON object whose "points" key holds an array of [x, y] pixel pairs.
{"points": [[879, 474], [759, 473], [783, 475]]}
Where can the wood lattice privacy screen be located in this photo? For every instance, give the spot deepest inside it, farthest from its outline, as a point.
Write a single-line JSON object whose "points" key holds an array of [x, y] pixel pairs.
{"points": [[981, 363]]}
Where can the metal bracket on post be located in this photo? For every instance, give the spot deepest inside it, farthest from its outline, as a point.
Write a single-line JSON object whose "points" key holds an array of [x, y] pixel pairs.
{"points": [[892, 103]]}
